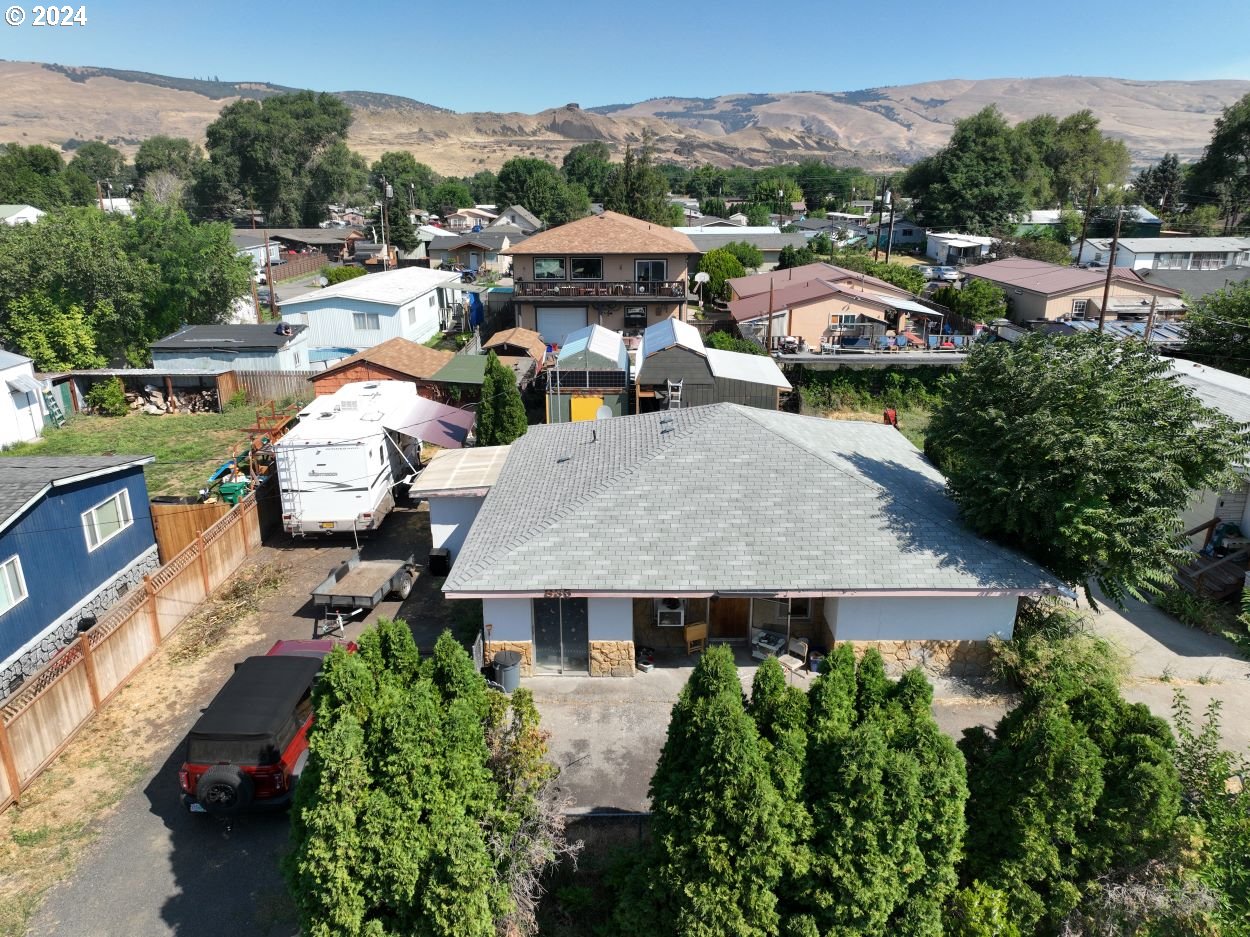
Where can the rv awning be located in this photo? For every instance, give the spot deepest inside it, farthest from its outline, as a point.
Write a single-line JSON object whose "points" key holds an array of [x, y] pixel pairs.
{"points": [[21, 384], [432, 422]]}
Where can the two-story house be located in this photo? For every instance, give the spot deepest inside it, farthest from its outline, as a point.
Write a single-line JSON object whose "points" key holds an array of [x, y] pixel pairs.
{"points": [[609, 269]]}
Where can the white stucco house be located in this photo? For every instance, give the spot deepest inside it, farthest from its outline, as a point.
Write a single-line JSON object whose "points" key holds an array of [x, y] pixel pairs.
{"points": [[20, 214], [21, 409], [600, 536], [366, 311]]}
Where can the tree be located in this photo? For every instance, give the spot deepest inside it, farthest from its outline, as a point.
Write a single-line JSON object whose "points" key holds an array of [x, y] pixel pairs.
{"points": [[1082, 452], [54, 338], [907, 278], [36, 175], [715, 207], [539, 186], [727, 342], [1224, 170], [161, 154], [500, 413], [791, 256], [757, 215], [279, 153], [100, 162], [482, 187], [338, 175], [451, 194], [721, 266], [413, 182], [589, 165], [426, 806], [1081, 155], [1217, 327], [399, 229], [637, 188], [1161, 186], [750, 256], [978, 300], [1035, 247], [717, 827]]}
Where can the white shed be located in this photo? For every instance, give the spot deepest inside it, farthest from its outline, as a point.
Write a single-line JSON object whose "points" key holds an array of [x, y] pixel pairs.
{"points": [[455, 484], [366, 311], [21, 411]]}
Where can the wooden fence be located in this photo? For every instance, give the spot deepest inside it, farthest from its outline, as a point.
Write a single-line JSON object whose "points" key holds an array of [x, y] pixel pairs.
{"points": [[297, 265], [262, 386], [177, 525], [58, 700]]}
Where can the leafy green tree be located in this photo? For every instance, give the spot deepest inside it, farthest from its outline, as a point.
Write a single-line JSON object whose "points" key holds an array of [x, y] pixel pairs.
{"points": [[340, 274], [978, 300], [1224, 170], [36, 175], [101, 162], [750, 256], [571, 202], [717, 829], [539, 186], [777, 190], [705, 182], [451, 194], [1081, 154], [721, 266], [637, 188], [790, 256], [907, 278], [55, 338], [715, 207], [1099, 448], [1035, 247], [413, 182], [279, 153], [500, 413], [399, 229], [589, 165], [482, 187], [757, 215], [176, 155], [727, 342], [338, 175], [1161, 186], [1217, 327]]}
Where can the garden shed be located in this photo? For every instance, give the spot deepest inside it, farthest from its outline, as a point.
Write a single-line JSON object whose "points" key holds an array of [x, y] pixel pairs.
{"points": [[676, 370], [592, 371]]}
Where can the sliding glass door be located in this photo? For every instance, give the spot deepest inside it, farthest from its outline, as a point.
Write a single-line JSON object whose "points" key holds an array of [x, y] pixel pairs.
{"points": [[561, 636]]}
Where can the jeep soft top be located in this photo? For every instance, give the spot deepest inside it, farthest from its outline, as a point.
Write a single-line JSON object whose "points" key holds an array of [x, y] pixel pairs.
{"points": [[256, 714]]}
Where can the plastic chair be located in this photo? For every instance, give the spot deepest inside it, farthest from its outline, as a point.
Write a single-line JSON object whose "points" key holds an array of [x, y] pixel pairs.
{"points": [[933, 342]]}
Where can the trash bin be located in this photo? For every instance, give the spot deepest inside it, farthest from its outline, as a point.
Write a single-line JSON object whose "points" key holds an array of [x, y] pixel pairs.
{"points": [[508, 670], [233, 492], [440, 562]]}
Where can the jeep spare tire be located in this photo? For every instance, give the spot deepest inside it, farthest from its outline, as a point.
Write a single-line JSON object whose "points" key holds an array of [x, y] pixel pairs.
{"points": [[224, 790]]}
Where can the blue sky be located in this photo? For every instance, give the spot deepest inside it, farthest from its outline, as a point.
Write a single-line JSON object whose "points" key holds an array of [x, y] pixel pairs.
{"points": [[531, 54]]}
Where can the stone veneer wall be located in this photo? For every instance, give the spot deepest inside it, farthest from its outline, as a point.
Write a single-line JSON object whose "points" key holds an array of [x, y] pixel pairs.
{"points": [[65, 628], [611, 658], [935, 658], [524, 648]]}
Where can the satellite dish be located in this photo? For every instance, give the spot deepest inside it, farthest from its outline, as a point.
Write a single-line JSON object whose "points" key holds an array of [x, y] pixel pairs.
{"points": [[322, 281], [603, 413], [701, 277]]}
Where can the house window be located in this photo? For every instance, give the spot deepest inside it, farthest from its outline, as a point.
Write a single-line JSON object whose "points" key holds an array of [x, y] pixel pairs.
{"points": [[295, 358], [107, 519], [907, 232], [587, 268], [801, 608], [843, 318], [366, 321], [412, 315], [431, 301], [12, 583], [549, 268], [1078, 306], [650, 271], [635, 317]]}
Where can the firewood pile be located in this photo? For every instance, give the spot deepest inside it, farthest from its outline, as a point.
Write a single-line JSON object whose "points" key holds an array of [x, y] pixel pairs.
{"points": [[154, 400]]}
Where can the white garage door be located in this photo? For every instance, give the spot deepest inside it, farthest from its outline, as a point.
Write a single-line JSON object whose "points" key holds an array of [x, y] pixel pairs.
{"points": [[554, 325]]}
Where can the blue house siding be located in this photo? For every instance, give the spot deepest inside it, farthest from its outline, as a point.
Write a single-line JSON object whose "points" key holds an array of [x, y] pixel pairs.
{"points": [[59, 570]]}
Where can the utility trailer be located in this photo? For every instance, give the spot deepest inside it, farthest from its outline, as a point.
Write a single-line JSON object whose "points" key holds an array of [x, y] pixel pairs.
{"points": [[355, 586]]}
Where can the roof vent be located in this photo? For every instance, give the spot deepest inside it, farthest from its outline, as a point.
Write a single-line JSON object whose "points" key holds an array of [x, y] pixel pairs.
{"points": [[563, 458], [325, 414]]}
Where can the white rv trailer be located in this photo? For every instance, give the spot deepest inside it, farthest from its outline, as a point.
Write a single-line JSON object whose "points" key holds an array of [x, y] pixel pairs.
{"points": [[339, 467]]}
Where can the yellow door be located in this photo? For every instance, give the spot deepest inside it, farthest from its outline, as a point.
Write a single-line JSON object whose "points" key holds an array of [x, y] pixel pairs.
{"points": [[584, 408]]}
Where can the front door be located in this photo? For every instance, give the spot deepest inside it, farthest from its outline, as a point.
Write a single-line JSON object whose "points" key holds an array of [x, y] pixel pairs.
{"points": [[561, 636], [728, 618]]}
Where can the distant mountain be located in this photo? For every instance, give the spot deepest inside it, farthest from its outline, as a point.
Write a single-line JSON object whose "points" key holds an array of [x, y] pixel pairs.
{"points": [[875, 128]]}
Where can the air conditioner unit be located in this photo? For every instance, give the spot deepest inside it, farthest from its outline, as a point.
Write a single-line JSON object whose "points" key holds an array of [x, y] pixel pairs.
{"points": [[670, 613]]}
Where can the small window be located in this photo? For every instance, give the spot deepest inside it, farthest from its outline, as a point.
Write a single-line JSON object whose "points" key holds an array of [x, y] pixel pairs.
{"points": [[432, 301], [635, 317], [412, 315], [12, 583], [366, 321], [587, 268], [295, 358], [1078, 306], [801, 608], [107, 519], [549, 268], [907, 232]]}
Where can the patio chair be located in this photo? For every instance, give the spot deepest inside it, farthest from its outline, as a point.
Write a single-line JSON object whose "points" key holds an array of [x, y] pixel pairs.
{"points": [[958, 341], [933, 342], [795, 658], [883, 343], [696, 636]]}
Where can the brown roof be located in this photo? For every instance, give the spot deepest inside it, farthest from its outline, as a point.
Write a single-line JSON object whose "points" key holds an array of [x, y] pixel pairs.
{"points": [[609, 233], [792, 276], [399, 355], [1037, 276], [531, 341], [755, 307]]}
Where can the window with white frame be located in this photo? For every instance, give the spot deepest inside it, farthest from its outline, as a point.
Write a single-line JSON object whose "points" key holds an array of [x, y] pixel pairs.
{"points": [[107, 519], [366, 321], [1079, 306], [412, 315], [12, 583]]}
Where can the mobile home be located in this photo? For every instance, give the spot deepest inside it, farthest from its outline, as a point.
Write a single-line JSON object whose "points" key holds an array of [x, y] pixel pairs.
{"points": [[339, 467]]}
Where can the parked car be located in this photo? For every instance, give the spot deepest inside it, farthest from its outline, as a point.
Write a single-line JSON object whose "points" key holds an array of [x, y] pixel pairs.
{"points": [[250, 744], [949, 274], [928, 272]]}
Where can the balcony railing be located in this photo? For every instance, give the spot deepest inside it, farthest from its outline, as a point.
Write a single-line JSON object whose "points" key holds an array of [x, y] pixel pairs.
{"points": [[628, 289]]}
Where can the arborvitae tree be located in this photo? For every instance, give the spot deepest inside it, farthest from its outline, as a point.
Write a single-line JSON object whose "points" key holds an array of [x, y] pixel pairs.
{"points": [[500, 413], [717, 835], [408, 818]]}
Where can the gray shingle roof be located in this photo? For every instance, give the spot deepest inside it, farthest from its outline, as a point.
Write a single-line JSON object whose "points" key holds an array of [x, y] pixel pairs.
{"points": [[23, 478], [725, 499], [228, 337]]}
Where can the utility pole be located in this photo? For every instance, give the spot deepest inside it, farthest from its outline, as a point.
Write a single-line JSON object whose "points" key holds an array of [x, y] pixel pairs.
{"points": [[1089, 200], [889, 238], [99, 194], [1106, 288], [1150, 321], [260, 319], [273, 309], [387, 192], [876, 241], [768, 329]]}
